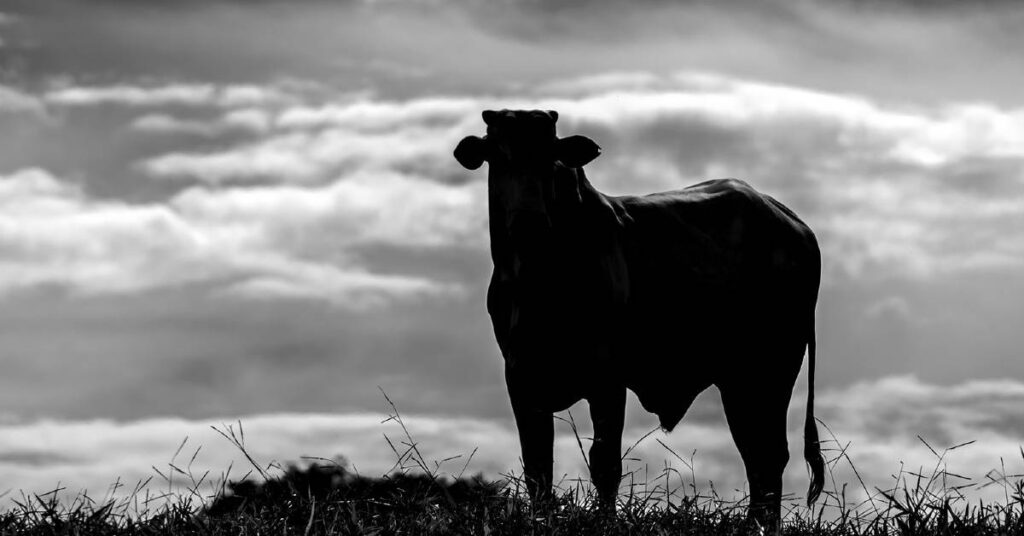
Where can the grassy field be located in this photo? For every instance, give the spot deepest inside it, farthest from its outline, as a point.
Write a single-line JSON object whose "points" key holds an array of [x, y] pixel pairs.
{"points": [[328, 499], [325, 497]]}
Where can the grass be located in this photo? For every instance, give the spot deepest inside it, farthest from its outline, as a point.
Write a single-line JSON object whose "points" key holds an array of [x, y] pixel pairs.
{"points": [[418, 498]]}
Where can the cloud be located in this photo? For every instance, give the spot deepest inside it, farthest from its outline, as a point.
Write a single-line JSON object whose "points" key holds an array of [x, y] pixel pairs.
{"points": [[878, 421], [357, 202], [354, 290], [182, 94], [54, 234], [239, 95], [311, 156], [253, 120], [890, 308], [891, 189], [369, 115], [170, 124], [948, 414], [882, 419], [419, 133], [186, 94], [866, 175], [13, 100], [382, 207]]}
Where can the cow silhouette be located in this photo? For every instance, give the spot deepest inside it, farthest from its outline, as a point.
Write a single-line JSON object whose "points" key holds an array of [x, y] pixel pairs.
{"points": [[665, 294]]}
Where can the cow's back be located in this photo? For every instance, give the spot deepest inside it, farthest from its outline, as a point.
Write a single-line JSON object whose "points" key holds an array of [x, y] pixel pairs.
{"points": [[720, 225]]}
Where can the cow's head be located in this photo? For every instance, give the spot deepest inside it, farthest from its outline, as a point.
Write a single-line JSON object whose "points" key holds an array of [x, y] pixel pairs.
{"points": [[524, 140], [530, 168]]}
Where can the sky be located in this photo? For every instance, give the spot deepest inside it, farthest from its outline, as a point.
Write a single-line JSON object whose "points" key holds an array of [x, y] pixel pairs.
{"points": [[225, 211]]}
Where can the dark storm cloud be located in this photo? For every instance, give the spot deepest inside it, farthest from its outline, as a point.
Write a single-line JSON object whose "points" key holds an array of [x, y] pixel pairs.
{"points": [[406, 48], [213, 41]]}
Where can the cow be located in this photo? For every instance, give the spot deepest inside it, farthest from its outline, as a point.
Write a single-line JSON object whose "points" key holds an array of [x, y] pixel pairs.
{"points": [[663, 294]]}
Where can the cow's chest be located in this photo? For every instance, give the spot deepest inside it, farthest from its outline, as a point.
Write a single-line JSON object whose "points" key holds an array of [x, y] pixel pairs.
{"points": [[560, 309], [552, 311], [557, 347]]}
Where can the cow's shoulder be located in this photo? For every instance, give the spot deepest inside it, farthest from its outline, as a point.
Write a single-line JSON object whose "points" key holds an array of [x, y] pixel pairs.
{"points": [[722, 187], [732, 195]]}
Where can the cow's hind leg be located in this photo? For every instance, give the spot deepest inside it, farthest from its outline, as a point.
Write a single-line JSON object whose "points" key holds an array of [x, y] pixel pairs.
{"points": [[757, 420]]}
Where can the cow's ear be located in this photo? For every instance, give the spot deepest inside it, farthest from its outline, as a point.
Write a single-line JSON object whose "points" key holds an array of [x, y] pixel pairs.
{"points": [[577, 151], [554, 116], [489, 116], [471, 152]]}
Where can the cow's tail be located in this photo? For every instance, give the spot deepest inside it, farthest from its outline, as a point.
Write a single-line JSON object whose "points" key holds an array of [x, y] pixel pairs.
{"points": [[812, 448]]}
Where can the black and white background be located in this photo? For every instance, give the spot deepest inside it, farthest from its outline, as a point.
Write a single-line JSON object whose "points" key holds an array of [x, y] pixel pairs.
{"points": [[224, 210]]}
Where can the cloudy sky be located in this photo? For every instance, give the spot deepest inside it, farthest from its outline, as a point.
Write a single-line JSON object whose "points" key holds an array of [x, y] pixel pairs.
{"points": [[225, 210]]}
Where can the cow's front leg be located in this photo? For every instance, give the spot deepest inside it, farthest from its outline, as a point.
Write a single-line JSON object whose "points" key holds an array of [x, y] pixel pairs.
{"points": [[536, 439], [607, 411]]}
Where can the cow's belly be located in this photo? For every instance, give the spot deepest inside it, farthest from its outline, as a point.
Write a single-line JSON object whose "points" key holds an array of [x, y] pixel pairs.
{"points": [[667, 397]]}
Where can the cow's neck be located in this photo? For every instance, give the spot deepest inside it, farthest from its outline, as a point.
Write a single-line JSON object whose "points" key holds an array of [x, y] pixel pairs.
{"points": [[573, 208]]}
